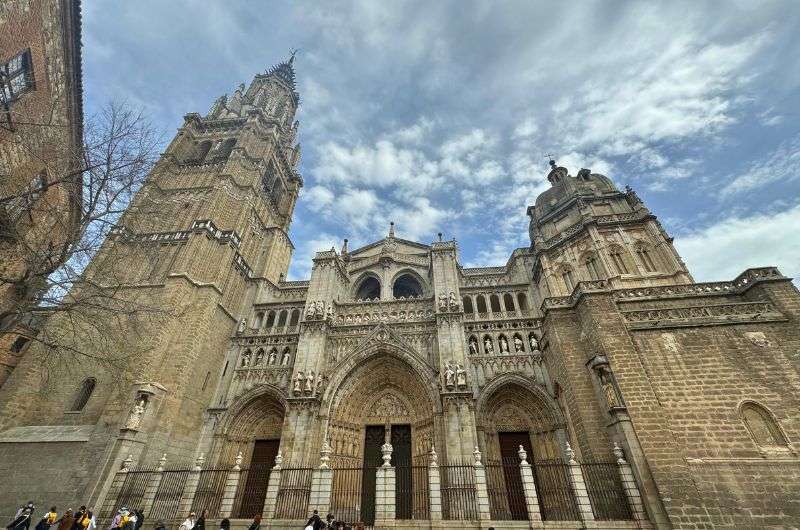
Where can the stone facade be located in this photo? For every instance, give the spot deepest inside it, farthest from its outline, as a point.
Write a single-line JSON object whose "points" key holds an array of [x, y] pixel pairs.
{"points": [[593, 338]]}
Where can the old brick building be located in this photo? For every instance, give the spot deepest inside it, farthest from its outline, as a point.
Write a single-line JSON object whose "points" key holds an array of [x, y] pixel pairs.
{"points": [[587, 383], [41, 120]]}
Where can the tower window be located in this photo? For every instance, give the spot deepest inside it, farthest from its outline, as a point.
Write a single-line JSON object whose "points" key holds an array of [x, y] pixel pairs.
{"points": [[370, 288], [591, 266], [508, 301], [406, 286], [762, 427], [83, 395], [619, 262], [523, 301], [468, 305], [202, 150], [18, 76], [569, 281], [646, 260]]}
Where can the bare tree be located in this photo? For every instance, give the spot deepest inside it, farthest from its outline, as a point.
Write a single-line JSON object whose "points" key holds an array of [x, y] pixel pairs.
{"points": [[73, 289]]}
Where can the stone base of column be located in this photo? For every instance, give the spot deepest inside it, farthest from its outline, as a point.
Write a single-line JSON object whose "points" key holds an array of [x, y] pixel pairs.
{"points": [[384, 495], [320, 497]]}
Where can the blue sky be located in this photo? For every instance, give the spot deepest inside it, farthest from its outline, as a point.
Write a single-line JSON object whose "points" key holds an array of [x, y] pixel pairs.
{"points": [[437, 115]]}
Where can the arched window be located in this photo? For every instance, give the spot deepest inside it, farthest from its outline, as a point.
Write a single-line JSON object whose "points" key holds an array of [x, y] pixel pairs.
{"points": [[468, 305], [508, 301], [282, 318], [645, 259], [369, 288], [568, 278], [223, 150], [259, 320], [295, 318], [618, 260], [494, 300], [406, 286], [481, 302], [270, 319], [202, 150], [762, 426], [83, 395], [592, 266], [523, 301]]}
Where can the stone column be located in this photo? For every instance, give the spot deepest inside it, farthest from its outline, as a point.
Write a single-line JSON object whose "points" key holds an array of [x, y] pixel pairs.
{"points": [[153, 484], [231, 486], [481, 491], [529, 487], [271, 501], [190, 488], [629, 486], [384, 489], [579, 487], [434, 486], [321, 480]]}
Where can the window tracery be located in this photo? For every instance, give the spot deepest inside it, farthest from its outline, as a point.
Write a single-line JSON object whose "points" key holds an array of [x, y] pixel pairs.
{"points": [[761, 425]]}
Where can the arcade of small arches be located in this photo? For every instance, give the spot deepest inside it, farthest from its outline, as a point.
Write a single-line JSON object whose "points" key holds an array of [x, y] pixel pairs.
{"points": [[405, 285], [488, 344], [279, 320], [496, 304], [620, 262]]}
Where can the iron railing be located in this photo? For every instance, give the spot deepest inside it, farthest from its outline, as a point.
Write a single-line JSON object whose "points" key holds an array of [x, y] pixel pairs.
{"points": [[293, 493], [458, 492], [556, 498], [252, 491], [168, 495], [605, 491], [210, 488], [506, 493], [346, 490], [130, 495], [411, 492]]}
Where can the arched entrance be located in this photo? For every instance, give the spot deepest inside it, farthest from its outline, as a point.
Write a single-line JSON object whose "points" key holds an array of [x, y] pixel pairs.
{"points": [[382, 399], [515, 412]]}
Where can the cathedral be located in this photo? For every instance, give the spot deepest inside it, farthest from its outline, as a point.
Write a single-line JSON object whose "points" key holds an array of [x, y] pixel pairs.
{"points": [[589, 382]]}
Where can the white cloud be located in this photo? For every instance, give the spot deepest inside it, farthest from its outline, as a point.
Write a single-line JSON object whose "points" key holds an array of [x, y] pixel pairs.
{"points": [[783, 164], [726, 248], [318, 197], [302, 258]]}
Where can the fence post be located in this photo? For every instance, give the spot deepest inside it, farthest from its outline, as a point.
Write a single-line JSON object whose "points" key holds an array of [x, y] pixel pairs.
{"points": [[434, 486], [190, 488], [116, 485], [481, 492], [529, 487], [231, 487], [579, 487], [629, 486], [384, 487], [320, 497], [153, 485], [271, 500]]}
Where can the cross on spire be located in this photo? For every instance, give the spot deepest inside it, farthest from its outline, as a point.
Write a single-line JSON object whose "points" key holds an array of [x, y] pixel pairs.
{"points": [[551, 158]]}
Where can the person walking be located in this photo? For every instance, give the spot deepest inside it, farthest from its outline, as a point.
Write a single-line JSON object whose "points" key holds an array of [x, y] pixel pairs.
{"points": [[315, 521], [188, 524], [90, 521], [139, 519], [66, 521], [79, 516], [47, 519], [22, 520], [256, 524], [225, 524], [200, 524]]}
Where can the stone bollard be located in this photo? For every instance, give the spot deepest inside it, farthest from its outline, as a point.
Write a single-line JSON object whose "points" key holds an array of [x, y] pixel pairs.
{"points": [[434, 486], [629, 486], [231, 486], [579, 487], [271, 500], [481, 491], [529, 487]]}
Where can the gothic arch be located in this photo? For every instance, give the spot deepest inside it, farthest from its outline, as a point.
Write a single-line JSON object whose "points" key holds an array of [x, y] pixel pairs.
{"points": [[423, 286], [762, 425], [359, 283]]}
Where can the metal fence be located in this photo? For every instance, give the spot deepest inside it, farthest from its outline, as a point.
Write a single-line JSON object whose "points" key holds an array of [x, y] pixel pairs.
{"points": [[458, 492], [293, 493], [605, 491], [252, 491], [506, 493], [556, 498], [168, 495], [131, 493], [346, 494], [411, 495], [210, 488]]}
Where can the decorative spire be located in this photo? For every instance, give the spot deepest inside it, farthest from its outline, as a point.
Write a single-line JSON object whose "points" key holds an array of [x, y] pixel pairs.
{"points": [[391, 229], [285, 72], [344, 248]]}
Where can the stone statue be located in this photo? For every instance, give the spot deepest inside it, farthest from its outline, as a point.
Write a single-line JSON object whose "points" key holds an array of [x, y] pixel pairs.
{"points": [[518, 345], [442, 303], [329, 313], [298, 382], [473, 346], [135, 416], [246, 359], [272, 356], [449, 376], [534, 343], [309, 382], [259, 356], [320, 309], [285, 358], [503, 345], [488, 347], [461, 377], [453, 302], [611, 395], [242, 326], [319, 385]]}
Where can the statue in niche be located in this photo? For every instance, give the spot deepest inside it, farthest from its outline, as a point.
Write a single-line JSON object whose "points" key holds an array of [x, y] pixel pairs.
{"points": [[298, 382], [285, 358], [246, 359], [534, 343], [488, 347], [259, 357], [449, 376], [320, 384], [461, 377], [309, 388], [135, 416], [518, 344], [473, 346], [453, 302], [609, 390], [442, 303], [503, 345], [272, 356], [242, 326]]}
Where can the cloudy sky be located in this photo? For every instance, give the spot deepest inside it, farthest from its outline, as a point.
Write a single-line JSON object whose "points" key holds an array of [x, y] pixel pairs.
{"points": [[437, 115]]}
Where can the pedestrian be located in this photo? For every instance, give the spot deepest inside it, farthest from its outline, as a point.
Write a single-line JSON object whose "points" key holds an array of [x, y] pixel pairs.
{"points": [[47, 519], [66, 521], [188, 524], [139, 519], [22, 519], [200, 524], [315, 522], [90, 521], [256, 524], [225, 524], [79, 516], [330, 522]]}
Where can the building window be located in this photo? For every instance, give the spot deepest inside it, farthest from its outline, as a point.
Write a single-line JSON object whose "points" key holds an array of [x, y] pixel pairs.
{"points": [[369, 289], [19, 343], [646, 260], [406, 286], [619, 261], [17, 76], [762, 427], [569, 281], [83, 395], [591, 266]]}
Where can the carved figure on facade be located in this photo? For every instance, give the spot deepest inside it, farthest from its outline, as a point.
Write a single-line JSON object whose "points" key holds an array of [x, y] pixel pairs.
{"points": [[259, 356], [534, 343], [453, 302], [135, 416], [518, 344], [285, 357], [473, 346], [488, 347], [309, 386], [298, 382], [503, 344], [442, 303], [242, 326], [461, 377], [246, 358], [449, 376], [273, 354]]}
